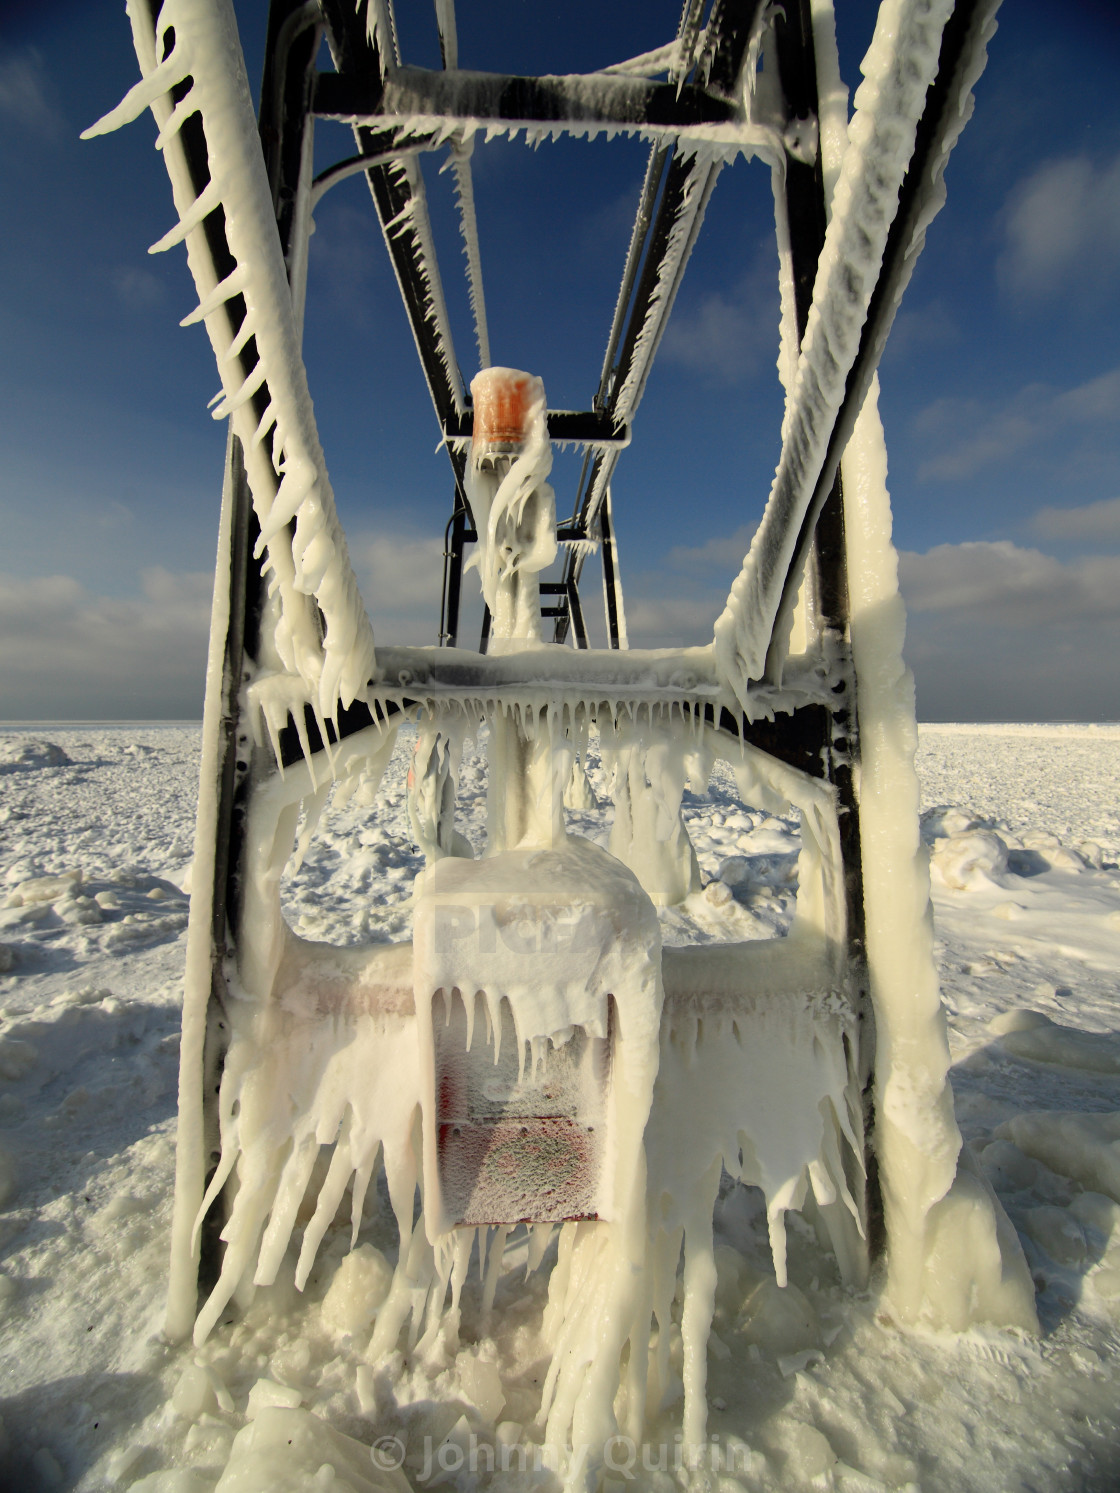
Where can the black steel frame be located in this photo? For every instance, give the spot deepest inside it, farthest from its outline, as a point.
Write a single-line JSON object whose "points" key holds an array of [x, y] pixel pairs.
{"points": [[381, 95], [819, 739]]}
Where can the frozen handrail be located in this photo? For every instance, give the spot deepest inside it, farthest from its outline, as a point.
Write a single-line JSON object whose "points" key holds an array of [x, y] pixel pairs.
{"points": [[249, 305], [468, 227], [908, 114], [679, 183], [460, 160], [363, 48]]}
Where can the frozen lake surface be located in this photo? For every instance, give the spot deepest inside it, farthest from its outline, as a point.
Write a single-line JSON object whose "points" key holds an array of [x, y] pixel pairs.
{"points": [[812, 1388]]}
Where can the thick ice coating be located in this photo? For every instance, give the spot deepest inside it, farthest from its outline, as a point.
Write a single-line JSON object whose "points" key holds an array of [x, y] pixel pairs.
{"points": [[555, 932], [269, 403], [532, 1055], [898, 71], [514, 508]]}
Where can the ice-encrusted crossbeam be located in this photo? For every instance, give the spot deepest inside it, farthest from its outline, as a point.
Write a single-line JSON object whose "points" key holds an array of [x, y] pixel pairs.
{"points": [[193, 73], [915, 100], [577, 104], [790, 726], [565, 427]]}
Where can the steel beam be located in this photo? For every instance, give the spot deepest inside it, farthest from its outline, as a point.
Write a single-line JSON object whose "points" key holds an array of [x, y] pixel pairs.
{"points": [[646, 296], [575, 427], [563, 105]]}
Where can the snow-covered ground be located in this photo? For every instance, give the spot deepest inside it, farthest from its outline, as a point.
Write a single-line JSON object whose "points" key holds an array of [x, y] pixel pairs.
{"points": [[808, 1388]]}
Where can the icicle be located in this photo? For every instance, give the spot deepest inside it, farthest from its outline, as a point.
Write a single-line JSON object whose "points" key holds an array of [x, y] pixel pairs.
{"points": [[182, 111], [699, 1302], [540, 1237], [468, 224], [222, 1172], [496, 1015], [290, 494], [222, 292], [305, 744], [313, 811], [324, 735], [243, 395], [142, 95], [464, 1243], [289, 1194], [362, 1177], [273, 727], [493, 1269], [204, 204]]}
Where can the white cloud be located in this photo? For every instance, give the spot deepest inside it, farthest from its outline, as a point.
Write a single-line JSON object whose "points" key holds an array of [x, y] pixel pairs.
{"points": [[1092, 522], [671, 621], [25, 94], [727, 336], [932, 325], [970, 434], [999, 583], [1098, 399], [677, 604], [1063, 229], [400, 578], [137, 289], [1001, 632], [996, 630], [71, 654], [723, 553]]}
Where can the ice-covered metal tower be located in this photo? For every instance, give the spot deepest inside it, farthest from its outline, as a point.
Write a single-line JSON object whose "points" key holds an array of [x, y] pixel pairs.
{"points": [[815, 1066]]}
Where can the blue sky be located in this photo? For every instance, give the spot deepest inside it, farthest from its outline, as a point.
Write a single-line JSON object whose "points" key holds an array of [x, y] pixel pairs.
{"points": [[1001, 385]]}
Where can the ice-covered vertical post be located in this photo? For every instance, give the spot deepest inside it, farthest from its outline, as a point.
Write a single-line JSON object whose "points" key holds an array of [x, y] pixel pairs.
{"points": [[515, 518]]}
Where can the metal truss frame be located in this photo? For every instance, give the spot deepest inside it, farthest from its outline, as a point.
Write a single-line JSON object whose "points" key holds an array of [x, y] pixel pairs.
{"points": [[815, 729]]}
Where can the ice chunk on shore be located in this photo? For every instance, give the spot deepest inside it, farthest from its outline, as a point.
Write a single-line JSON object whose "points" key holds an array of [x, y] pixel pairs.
{"points": [[1084, 1147], [282, 1451], [266, 1394], [29, 754], [1057, 1233], [193, 1394], [1006, 1168], [481, 1382], [941, 823], [970, 860], [45, 889], [1032, 1034], [809, 1457], [780, 1319], [1097, 1212], [360, 1285], [16, 1058]]}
